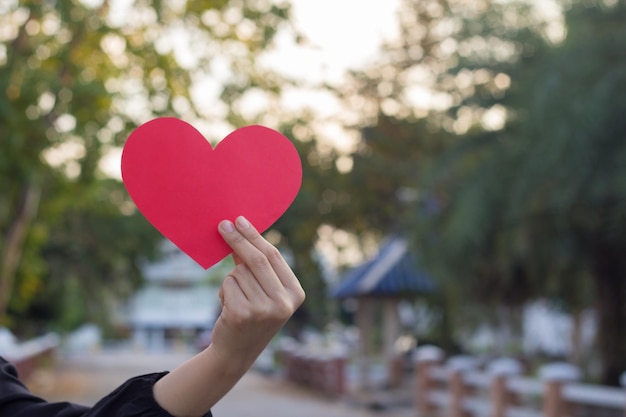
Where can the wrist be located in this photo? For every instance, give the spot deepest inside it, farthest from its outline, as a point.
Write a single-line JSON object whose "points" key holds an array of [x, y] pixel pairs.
{"points": [[195, 386], [231, 364]]}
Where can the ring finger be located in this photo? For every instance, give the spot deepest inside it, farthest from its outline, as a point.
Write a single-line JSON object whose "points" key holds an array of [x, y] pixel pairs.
{"points": [[248, 283]]}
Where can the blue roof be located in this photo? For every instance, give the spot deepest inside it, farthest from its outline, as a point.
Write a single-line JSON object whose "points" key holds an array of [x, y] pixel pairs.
{"points": [[392, 272]]}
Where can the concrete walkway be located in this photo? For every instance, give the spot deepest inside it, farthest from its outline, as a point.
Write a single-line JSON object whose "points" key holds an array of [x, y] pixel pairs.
{"points": [[85, 379]]}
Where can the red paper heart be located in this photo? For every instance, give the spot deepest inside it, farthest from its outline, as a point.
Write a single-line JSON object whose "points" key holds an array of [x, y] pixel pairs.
{"points": [[184, 187]]}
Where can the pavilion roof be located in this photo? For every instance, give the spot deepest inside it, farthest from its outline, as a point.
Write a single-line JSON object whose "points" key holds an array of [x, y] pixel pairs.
{"points": [[392, 272]]}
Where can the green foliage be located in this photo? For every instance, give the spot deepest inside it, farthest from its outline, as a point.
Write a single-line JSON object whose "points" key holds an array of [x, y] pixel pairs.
{"points": [[387, 165], [543, 201], [366, 200], [76, 77]]}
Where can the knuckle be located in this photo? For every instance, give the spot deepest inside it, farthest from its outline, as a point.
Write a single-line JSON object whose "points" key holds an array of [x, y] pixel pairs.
{"points": [[253, 236], [237, 239], [282, 309], [240, 269], [265, 311], [286, 309], [242, 316], [273, 254], [300, 296], [259, 260]]}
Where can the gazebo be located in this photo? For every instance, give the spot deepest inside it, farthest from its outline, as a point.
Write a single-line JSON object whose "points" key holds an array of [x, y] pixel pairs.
{"points": [[379, 285]]}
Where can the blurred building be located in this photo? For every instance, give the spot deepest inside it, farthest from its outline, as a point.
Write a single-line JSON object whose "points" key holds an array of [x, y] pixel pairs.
{"points": [[378, 286], [176, 305]]}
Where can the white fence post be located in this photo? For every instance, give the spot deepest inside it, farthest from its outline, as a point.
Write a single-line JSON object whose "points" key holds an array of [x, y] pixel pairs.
{"points": [[499, 370], [457, 366], [554, 376], [426, 358]]}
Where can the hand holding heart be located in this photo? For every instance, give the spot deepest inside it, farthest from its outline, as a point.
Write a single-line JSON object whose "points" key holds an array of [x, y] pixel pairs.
{"points": [[186, 189], [258, 297]]}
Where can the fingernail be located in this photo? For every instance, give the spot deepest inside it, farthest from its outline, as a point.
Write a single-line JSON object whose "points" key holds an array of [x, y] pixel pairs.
{"points": [[242, 222], [227, 226]]}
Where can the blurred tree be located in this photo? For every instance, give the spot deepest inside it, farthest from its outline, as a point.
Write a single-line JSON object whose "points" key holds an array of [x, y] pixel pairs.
{"points": [[91, 253], [367, 200], [443, 77], [543, 200], [387, 165], [527, 199], [76, 77], [572, 178]]}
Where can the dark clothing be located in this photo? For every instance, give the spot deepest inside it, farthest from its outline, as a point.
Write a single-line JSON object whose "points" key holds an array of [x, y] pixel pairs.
{"points": [[134, 398]]}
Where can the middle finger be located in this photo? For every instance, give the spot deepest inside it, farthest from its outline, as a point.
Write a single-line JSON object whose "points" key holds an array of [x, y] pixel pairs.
{"points": [[251, 256]]}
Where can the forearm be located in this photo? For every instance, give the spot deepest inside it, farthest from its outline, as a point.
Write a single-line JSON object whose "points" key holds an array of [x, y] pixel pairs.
{"points": [[199, 383]]}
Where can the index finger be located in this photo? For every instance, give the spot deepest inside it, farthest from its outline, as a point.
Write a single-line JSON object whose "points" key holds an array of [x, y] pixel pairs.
{"points": [[250, 247]]}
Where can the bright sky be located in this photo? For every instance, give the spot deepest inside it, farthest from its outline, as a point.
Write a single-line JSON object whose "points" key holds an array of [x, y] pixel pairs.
{"points": [[341, 34]]}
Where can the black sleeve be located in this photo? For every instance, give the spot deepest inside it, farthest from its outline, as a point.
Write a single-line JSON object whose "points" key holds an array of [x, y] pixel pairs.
{"points": [[132, 399]]}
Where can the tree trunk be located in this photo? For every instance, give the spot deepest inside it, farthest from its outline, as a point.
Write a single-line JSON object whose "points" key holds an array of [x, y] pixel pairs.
{"points": [[13, 243], [576, 354], [610, 276]]}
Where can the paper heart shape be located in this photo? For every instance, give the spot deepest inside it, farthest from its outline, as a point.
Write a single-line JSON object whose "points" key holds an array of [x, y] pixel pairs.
{"points": [[184, 187]]}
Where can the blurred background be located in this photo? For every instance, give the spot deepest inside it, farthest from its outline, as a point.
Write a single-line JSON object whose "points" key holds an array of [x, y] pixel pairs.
{"points": [[464, 176]]}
